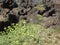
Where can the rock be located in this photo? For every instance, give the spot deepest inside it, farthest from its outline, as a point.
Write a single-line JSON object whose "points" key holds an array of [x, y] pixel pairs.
{"points": [[50, 21], [3, 19], [32, 19]]}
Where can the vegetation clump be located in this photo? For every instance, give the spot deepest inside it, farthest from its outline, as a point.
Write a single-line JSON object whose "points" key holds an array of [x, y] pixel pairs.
{"points": [[24, 33]]}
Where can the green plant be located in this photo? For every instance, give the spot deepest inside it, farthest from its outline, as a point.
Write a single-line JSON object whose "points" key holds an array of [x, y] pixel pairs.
{"points": [[40, 7], [25, 34], [40, 17]]}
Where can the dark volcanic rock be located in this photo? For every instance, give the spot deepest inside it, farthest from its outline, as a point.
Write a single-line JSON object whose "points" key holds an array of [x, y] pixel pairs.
{"points": [[12, 11]]}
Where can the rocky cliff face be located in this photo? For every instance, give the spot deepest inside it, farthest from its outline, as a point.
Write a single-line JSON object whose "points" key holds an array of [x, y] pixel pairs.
{"points": [[12, 11]]}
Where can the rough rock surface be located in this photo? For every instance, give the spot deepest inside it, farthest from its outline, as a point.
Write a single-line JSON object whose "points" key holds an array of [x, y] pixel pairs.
{"points": [[13, 12]]}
